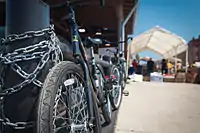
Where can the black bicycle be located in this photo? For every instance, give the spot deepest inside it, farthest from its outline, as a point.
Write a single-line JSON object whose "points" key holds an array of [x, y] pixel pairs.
{"points": [[120, 62], [113, 77], [117, 89], [73, 91], [108, 80]]}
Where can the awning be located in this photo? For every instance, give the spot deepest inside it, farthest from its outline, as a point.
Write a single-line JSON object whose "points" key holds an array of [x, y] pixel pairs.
{"points": [[160, 41]]}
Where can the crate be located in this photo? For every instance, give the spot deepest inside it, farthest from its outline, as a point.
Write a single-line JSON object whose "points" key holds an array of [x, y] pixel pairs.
{"points": [[190, 77], [169, 79], [146, 78], [179, 80], [180, 77], [156, 77]]}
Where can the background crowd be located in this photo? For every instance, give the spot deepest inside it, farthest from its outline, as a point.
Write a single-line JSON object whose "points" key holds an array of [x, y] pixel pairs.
{"points": [[164, 67]]}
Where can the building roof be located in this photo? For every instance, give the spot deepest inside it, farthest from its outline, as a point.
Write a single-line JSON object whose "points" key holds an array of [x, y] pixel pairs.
{"points": [[94, 18], [91, 16]]}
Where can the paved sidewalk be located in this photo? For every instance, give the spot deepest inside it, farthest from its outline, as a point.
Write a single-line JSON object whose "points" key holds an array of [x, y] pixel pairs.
{"points": [[160, 108]]}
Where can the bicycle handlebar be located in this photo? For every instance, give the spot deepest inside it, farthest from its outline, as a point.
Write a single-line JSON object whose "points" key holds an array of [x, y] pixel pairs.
{"points": [[105, 41], [65, 4], [68, 4], [110, 50], [114, 52]]}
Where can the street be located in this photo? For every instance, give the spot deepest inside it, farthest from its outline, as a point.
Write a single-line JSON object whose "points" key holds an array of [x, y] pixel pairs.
{"points": [[160, 108]]}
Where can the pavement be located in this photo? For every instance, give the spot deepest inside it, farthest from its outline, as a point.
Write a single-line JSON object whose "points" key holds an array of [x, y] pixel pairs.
{"points": [[159, 108]]}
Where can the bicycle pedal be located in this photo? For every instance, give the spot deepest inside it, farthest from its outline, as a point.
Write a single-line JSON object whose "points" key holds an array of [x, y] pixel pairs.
{"points": [[101, 118], [126, 93], [105, 124]]}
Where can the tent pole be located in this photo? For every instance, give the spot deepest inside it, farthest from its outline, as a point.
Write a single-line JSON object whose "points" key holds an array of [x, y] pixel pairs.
{"points": [[123, 33], [176, 59], [127, 60], [186, 60]]}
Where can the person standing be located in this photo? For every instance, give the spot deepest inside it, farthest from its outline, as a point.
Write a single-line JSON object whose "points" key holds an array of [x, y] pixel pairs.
{"points": [[169, 66], [164, 68], [179, 66], [135, 65], [150, 66]]}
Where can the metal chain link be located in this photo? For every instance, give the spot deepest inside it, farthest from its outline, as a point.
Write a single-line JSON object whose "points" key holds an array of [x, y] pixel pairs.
{"points": [[28, 34], [17, 125], [43, 50]]}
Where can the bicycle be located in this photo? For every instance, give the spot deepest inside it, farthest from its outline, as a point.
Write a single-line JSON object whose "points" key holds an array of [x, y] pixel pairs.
{"points": [[72, 87], [112, 73], [117, 90], [108, 74], [120, 62]]}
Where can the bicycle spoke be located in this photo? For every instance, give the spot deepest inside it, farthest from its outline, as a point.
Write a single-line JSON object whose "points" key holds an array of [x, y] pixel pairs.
{"points": [[70, 108]]}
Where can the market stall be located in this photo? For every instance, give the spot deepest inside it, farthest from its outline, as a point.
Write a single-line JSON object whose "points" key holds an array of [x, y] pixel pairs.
{"points": [[160, 41]]}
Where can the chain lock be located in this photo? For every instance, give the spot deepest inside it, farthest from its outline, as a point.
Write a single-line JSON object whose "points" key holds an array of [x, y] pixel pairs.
{"points": [[42, 50]]}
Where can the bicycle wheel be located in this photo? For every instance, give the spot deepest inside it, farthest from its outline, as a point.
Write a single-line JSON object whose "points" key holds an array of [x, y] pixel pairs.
{"points": [[106, 107], [123, 78], [116, 91], [63, 103]]}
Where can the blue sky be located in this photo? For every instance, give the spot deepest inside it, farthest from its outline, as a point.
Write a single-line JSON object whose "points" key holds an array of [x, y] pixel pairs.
{"points": [[179, 16]]}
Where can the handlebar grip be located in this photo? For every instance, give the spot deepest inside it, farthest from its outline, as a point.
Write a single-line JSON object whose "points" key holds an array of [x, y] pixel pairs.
{"points": [[107, 49], [111, 51]]}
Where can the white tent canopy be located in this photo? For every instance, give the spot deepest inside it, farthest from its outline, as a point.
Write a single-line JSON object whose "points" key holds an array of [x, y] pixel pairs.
{"points": [[160, 41]]}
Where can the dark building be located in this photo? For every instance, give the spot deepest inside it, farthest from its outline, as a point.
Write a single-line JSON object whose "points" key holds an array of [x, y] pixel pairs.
{"points": [[193, 51]]}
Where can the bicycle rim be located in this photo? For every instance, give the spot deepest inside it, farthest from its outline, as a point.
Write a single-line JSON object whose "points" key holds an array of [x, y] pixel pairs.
{"points": [[70, 114], [106, 95], [116, 91]]}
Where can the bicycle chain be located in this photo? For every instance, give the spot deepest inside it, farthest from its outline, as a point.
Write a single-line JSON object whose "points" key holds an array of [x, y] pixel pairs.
{"points": [[43, 50]]}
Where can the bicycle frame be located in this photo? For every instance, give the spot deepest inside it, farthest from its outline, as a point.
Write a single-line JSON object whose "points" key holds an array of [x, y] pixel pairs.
{"points": [[80, 54], [91, 78], [116, 56]]}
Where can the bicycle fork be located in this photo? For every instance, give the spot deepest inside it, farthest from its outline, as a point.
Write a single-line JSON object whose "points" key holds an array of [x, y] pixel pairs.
{"points": [[95, 77]]}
